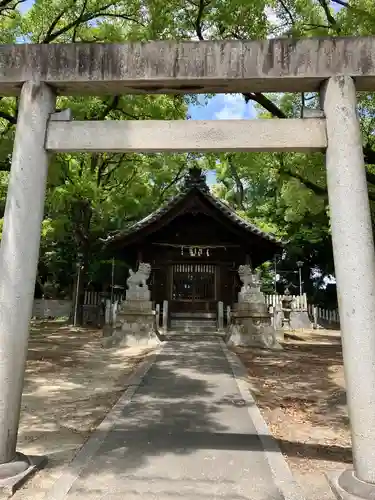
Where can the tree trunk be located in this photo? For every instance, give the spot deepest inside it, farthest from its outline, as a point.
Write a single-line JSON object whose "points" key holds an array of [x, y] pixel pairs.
{"points": [[82, 213]]}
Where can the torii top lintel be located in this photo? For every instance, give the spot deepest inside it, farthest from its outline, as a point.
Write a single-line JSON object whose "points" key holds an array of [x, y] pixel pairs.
{"points": [[276, 65]]}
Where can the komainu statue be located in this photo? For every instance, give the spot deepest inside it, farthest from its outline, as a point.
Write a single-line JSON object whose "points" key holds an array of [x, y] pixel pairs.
{"points": [[246, 276], [138, 279], [256, 280]]}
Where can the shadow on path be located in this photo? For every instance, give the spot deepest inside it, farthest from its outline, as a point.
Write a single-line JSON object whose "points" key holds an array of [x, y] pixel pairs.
{"points": [[185, 428]]}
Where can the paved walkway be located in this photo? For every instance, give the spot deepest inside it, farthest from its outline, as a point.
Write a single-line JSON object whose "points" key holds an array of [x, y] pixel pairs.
{"points": [[189, 431]]}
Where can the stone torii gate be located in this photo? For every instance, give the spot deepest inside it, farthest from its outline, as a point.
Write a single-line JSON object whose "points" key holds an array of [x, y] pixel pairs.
{"points": [[334, 67]]}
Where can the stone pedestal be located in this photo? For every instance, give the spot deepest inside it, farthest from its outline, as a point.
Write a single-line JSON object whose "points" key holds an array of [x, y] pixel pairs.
{"points": [[135, 320], [251, 323], [254, 297], [251, 326], [135, 325]]}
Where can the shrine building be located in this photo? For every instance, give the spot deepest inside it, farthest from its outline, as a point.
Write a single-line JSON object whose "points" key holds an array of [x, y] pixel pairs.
{"points": [[195, 244]]}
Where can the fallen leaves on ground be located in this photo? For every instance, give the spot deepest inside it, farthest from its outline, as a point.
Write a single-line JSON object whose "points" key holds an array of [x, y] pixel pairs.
{"points": [[301, 394]]}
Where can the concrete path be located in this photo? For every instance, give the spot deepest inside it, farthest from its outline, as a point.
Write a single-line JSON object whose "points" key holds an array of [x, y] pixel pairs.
{"points": [[189, 430]]}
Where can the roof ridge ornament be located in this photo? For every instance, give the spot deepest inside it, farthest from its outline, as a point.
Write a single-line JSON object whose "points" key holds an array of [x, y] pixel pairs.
{"points": [[195, 178]]}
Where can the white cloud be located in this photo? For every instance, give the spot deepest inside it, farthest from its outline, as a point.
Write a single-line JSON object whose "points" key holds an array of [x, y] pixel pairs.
{"points": [[271, 15], [228, 113], [274, 21], [234, 107], [222, 107]]}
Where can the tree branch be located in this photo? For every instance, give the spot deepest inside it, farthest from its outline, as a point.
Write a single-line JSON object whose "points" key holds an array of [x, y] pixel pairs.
{"points": [[318, 190], [118, 164], [121, 16], [101, 165], [352, 8], [5, 5], [65, 171], [331, 20], [369, 156], [111, 106], [198, 21], [84, 18], [289, 14], [341, 2], [79, 20], [5, 165], [11, 119], [368, 152], [116, 185], [176, 178], [134, 117], [266, 103], [49, 34]]}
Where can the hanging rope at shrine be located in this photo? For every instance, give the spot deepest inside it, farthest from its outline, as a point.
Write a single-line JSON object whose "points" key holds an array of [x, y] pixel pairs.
{"points": [[196, 251]]}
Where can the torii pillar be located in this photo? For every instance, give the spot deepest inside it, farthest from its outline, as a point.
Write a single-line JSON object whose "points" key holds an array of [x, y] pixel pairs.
{"points": [[19, 253], [354, 256]]}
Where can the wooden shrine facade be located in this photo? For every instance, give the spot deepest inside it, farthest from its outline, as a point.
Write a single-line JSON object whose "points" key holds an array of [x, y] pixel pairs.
{"points": [[194, 244]]}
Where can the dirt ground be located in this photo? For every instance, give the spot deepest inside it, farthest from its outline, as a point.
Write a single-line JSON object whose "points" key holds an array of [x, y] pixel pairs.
{"points": [[71, 384], [301, 394]]}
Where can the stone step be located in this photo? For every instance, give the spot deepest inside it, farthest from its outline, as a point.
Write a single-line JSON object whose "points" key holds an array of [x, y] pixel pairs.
{"points": [[193, 315], [194, 330], [180, 323], [186, 337]]}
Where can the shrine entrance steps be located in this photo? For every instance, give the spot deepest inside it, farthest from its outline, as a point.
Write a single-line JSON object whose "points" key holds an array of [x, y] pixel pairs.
{"points": [[177, 336], [193, 323]]}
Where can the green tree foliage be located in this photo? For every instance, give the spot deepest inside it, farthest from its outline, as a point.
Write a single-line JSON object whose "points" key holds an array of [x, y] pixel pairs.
{"points": [[91, 196]]}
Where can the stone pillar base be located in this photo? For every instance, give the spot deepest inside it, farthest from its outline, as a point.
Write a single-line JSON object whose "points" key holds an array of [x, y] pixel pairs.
{"points": [[108, 330], [280, 335], [135, 325], [346, 486], [14, 474]]}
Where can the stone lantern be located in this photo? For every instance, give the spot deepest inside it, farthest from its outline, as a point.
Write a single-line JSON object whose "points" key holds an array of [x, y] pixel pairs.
{"points": [[286, 307]]}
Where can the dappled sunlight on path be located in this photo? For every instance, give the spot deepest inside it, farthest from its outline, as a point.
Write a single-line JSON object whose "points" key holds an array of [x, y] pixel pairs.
{"points": [[71, 383]]}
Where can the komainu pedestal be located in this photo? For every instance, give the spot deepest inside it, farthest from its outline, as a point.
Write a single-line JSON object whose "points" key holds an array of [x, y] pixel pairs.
{"points": [[251, 323], [136, 320]]}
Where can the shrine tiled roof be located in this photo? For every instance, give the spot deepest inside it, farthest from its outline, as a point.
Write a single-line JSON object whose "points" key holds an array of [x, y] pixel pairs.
{"points": [[203, 189]]}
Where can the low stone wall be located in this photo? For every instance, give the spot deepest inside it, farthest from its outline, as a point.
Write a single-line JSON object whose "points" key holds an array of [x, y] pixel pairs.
{"points": [[50, 308]]}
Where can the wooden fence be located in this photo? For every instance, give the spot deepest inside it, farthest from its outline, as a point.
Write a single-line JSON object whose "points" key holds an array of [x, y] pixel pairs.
{"points": [[95, 298], [93, 312], [299, 301], [317, 315], [51, 308], [320, 315]]}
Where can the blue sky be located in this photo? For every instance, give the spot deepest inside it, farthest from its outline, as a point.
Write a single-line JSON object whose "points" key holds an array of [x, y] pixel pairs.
{"points": [[26, 5], [222, 107]]}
